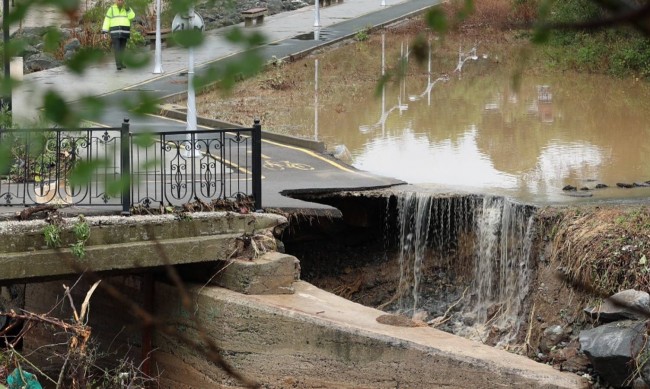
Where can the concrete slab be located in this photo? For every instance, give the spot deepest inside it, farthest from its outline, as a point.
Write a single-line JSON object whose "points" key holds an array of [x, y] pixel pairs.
{"points": [[318, 339]]}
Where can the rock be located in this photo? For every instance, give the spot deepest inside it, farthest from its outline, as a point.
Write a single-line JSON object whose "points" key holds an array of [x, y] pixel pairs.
{"points": [[68, 55], [342, 154], [28, 51], [469, 318], [420, 315], [570, 358], [396, 320], [612, 347], [73, 45], [641, 184], [569, 188], [624, 185], [601, 186], [628, 304], [32, 35], [41, 61], [271, 273], [551, 337]]}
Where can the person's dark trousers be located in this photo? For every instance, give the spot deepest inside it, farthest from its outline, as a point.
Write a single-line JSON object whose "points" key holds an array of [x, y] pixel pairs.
{"points": [[119, 45]]}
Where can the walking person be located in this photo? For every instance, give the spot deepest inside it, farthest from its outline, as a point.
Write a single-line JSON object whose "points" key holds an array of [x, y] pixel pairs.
{"points": [[118, 23]]}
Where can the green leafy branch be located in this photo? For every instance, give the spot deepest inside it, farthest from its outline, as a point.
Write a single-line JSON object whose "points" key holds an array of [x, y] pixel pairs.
{"points": [[80, 230]]}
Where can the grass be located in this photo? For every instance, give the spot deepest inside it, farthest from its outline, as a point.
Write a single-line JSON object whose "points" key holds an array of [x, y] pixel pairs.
{"points": [[602, 250]]}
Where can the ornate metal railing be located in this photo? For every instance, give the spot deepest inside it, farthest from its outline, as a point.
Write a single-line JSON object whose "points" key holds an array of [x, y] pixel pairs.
{"points": [[111, 166]]}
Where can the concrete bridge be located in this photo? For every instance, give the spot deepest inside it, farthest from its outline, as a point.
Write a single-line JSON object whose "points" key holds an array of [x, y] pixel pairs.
{"points": [[129, 244]]}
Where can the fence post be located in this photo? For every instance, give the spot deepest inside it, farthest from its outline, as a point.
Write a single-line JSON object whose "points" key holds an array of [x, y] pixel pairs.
{"points": [[125, 151], [257, 164]]}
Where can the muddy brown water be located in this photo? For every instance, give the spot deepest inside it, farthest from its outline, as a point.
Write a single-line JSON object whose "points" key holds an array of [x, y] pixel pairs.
{"points": [[480, 132]]}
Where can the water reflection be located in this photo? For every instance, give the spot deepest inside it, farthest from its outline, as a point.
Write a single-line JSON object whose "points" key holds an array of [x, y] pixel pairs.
{"points": [[477, 132], [416, 159]]}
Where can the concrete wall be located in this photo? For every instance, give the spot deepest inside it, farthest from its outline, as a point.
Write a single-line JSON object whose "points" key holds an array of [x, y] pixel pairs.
{"points": [[313, 339], [309, 339]]}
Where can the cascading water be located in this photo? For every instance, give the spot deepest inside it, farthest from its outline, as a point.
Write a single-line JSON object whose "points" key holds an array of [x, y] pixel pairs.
{"points": [[480, 244]]}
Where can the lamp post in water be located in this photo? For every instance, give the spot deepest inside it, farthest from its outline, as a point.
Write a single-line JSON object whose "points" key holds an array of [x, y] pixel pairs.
{"points": [[316, 99]]}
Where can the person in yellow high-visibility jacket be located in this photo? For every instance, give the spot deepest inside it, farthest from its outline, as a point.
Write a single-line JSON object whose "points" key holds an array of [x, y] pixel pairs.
{"points": [[117, 23]]}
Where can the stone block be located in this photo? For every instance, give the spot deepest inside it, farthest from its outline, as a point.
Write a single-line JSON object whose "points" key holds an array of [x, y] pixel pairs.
{"points": [[272, 273]]}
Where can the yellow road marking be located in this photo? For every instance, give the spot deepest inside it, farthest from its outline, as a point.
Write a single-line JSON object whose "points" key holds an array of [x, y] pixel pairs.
{"points": [[308, 152], [314, 155]]}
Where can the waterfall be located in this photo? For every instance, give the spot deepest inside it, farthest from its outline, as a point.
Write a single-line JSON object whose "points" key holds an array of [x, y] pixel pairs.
{"points": [[503, 263], [483, 243]]}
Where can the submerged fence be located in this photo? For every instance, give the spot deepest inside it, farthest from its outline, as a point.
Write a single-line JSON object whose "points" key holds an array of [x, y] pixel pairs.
{"points": [[112, 166]]}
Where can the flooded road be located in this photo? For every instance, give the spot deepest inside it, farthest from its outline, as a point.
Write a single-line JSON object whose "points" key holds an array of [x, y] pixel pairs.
{"points": [[474, 131]]}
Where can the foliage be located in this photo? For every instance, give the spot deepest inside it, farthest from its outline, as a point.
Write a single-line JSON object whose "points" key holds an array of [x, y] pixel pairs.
{"points": [[362, 35], [574, 34], [81, 231], [89, 32], [78, 249], [52, 234], [571, 11], [137, 40]]}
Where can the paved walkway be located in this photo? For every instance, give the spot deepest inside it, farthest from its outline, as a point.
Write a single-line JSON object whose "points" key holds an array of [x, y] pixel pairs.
{"points": [[338, 22]]}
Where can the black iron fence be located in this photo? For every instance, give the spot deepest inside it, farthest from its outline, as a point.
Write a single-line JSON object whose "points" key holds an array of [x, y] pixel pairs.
{"points": [[113, 167]]}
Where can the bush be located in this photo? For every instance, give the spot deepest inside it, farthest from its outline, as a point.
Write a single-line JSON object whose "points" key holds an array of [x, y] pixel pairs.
{"points": [[362, 35], [631, 57], [621, 52], [569, 11], [137, 40]]}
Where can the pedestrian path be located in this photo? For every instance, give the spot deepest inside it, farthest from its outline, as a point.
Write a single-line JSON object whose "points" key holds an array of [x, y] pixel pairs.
{"points": [[337, 22], [102, 78]]}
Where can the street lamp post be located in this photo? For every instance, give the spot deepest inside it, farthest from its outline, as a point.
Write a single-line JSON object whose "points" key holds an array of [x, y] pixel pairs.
{"points": [[191, 21], [191, 95], [316, 13], [158, 54], [6, 99]]}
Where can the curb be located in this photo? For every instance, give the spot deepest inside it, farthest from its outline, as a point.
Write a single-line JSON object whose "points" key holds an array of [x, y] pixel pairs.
{"points": [[312, 145]]}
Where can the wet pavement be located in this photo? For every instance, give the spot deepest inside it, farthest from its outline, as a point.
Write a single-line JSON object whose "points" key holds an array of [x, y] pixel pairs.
{"points": [[286, 33]]}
